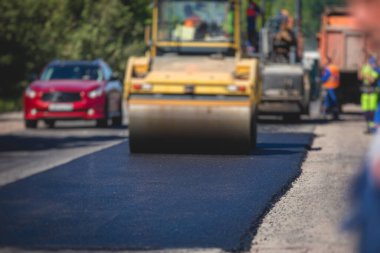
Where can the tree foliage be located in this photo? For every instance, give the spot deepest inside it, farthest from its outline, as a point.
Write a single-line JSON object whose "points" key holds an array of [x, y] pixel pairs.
{"points": [[33, 32]]}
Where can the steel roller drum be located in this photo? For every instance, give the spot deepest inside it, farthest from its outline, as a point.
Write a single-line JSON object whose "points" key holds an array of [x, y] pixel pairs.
{"points": [[190, 126]]}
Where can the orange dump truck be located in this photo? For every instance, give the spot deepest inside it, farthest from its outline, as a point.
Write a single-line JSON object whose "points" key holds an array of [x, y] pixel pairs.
{"points": [[342, 42]]}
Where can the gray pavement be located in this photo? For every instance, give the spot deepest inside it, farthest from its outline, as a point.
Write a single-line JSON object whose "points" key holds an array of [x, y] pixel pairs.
{"points": [[309, 217], [112, 200], [178, 208], [11, 122], [26, 152]]}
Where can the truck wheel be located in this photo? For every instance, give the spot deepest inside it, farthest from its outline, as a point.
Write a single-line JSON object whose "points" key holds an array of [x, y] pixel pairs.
{"points": [[31, 124], [50, 123]]}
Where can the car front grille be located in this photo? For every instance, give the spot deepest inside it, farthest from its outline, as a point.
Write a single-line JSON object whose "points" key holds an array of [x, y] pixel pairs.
{"points": [[61, 97]]}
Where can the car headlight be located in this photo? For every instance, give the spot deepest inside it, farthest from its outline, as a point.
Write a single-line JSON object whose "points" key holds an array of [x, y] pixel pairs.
{"points": [[30, 93], [96, 93]]}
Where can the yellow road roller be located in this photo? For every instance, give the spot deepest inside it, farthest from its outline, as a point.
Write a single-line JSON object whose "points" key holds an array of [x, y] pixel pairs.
{"points": [[194, 90]]}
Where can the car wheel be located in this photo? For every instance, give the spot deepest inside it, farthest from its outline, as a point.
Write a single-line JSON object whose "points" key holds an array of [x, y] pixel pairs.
{"points": [[118, 121], [103, 123], [31, 124], [50, 123]]}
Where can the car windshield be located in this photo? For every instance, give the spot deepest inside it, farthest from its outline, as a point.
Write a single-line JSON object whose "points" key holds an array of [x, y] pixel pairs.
{"points": [[201, 21], [72, 72]]}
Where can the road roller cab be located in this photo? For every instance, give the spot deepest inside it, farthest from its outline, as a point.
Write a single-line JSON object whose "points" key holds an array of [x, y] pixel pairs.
{"points": [[286, 83], [193, 91]]}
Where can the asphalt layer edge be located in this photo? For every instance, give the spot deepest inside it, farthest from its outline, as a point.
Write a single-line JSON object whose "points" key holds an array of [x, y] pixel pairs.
{"points": [[248, 236]]}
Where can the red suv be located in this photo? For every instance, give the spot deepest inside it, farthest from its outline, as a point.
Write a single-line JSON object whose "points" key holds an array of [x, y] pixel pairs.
{"points": [[68, 90]]}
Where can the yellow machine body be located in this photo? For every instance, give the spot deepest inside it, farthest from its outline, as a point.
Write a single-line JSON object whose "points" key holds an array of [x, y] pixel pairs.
{"points": [[192, 102]]}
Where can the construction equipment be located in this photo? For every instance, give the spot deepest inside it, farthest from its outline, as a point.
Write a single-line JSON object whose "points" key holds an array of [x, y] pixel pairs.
{"points": [[341, 40], [286, 84], [193, 91]]}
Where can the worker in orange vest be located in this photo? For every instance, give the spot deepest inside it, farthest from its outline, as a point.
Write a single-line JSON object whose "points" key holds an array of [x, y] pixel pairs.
{"points": [[192, 20], [331, 82]]}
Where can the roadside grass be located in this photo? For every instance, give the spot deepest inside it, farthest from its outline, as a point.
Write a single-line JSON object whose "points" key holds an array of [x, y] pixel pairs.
{"points": [[10, 105]]}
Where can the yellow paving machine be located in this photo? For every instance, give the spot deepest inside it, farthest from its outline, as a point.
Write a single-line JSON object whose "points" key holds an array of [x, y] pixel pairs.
{"points": [[193, 90]]}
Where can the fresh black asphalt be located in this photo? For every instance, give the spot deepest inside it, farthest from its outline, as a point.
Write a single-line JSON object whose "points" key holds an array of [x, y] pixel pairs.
{"points": [[114, 200]]}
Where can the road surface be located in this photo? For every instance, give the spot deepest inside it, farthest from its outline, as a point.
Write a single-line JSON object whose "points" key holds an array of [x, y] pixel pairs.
{"points": [[79, 188], [310, 217]]}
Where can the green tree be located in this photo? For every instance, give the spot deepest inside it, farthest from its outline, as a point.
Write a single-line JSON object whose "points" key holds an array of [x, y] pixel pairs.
{"points": [[33, 32]]}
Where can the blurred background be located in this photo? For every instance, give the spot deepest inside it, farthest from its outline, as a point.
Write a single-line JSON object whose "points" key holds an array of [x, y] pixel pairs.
{"points": [[34, 32]]}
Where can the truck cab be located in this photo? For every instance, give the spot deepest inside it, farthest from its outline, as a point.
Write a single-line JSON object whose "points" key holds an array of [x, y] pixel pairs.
{"points": [[341, 40]]}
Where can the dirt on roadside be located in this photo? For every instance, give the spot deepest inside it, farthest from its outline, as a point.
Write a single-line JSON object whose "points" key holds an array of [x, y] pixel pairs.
{"points": [[309, 217], [11, 122]]}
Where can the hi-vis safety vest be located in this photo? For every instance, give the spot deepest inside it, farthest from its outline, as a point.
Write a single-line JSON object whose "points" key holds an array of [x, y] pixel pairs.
{"points": [[334, 81], [369, 74]]}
